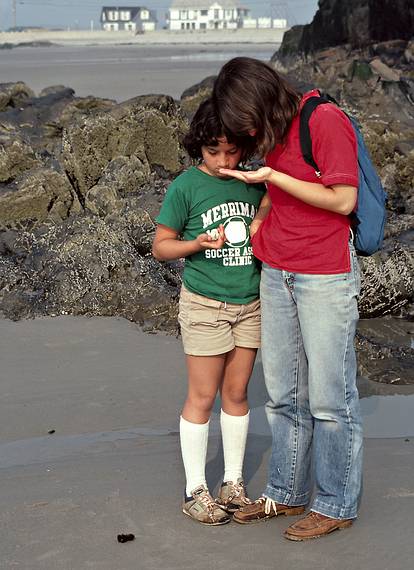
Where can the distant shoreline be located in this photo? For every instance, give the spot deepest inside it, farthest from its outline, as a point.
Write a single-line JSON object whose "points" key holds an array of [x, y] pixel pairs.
{"points": [[159, 37], [121, 72]]}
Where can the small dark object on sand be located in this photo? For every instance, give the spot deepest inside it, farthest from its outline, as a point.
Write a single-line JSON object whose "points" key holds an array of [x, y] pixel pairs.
{"points": [[51, 431], [125, 537]]}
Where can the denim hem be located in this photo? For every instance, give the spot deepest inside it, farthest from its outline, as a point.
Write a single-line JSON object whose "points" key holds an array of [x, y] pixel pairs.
{"points": [[333, 511], [285, 498]]}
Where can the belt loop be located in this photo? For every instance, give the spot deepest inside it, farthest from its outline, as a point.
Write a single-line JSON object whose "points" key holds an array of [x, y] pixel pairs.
{"points": [[225, 305]]}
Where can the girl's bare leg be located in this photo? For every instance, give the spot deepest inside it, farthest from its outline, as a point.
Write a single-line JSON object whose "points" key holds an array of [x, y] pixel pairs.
{"points": [[237, 372], [204, 378], [234, 417], [205, 375]]}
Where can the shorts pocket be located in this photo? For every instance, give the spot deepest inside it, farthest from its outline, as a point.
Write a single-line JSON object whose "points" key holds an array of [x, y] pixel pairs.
{"points": [[204, 313], [195, 309]]}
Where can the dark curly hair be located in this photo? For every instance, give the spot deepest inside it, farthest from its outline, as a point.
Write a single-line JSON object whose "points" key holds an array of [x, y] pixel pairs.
{"points": [[205, 130]]}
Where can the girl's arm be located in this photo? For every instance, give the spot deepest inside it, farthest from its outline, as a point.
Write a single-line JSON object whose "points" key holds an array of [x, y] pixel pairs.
{"points": [[167, 245], [261, 213], [339, 198]]}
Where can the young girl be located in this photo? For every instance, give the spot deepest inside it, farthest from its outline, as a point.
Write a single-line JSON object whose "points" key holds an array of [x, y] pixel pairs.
{"points": [[205, 218], [309, 287]]}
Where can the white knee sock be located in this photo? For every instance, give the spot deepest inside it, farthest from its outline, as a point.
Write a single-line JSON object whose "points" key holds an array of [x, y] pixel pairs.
{"points": [[194, 438], [234, 434]]}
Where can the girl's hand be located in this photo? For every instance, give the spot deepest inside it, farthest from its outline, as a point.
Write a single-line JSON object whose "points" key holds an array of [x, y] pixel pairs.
{"points": [[250, 176], [205, 241]]}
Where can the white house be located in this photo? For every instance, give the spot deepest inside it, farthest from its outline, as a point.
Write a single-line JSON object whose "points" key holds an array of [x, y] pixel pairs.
{"points": [[135, 19], [206, 15]]}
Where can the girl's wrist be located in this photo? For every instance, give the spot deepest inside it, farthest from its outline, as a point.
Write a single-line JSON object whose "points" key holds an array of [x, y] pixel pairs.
{"points": [[273, 177], [196, 246]]}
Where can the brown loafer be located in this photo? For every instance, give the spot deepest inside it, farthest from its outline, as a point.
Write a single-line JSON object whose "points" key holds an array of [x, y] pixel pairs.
{"points": [[314, 525], [264, 509]]}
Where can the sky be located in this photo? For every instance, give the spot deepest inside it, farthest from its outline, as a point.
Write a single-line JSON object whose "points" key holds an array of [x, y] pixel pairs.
{"points": [[79, 14]]}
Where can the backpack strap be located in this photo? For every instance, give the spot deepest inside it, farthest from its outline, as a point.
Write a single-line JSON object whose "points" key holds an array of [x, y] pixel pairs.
{"points": [[304, 132]]}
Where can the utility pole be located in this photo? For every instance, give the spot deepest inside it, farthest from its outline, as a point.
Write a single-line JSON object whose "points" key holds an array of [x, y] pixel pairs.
{"points": [[14, 13]]}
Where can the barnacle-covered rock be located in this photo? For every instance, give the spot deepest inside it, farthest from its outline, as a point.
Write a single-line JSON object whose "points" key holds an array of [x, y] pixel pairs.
{"points": [[87, 266], [38, 195]]}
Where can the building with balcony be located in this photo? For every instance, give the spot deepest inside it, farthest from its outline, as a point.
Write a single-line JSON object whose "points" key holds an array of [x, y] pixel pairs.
{"points": [[206, 15]]}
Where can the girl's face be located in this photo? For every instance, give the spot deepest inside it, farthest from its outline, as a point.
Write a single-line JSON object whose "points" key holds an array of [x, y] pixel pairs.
{"points": [[223, 155]]}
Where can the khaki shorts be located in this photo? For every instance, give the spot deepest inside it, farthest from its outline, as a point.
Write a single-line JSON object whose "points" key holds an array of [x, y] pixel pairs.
{"points": [[210, 327]]}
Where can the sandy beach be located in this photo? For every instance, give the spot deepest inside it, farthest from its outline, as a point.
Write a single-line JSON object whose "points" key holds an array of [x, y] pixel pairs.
{"points": [[89, 444], [158, 37], [89, 449], [121, 72]]}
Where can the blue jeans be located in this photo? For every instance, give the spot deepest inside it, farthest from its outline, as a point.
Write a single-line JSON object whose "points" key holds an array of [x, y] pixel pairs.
{"points": [[308, 328]]}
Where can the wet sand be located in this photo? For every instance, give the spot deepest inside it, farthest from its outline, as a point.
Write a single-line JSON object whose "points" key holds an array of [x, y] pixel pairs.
{"points": [[121, 71], [113, 465]]}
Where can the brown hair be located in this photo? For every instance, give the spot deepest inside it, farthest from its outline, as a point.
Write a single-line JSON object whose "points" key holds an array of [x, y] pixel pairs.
{"points": [[251, 96], [205, 130]]}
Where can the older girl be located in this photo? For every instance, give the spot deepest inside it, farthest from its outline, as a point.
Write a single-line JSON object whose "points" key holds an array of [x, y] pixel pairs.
{"points": [[309, 287]]}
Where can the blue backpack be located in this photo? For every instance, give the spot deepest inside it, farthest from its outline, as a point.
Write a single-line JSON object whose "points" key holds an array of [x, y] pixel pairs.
{"points": [[368, 220]]}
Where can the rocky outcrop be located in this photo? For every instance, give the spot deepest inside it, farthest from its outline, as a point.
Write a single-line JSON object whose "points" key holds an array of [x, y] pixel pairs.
{"points": [[14, 94], [124, 146], [385, 350], [89, 266], [39, 194], [357, 23], [192, 97], [362, 53], [388, 283], [60, 154], [81, 180], [80, 183]]}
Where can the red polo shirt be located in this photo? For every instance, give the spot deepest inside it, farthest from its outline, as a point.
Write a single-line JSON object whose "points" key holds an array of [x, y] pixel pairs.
{"points": [[295, 236]]}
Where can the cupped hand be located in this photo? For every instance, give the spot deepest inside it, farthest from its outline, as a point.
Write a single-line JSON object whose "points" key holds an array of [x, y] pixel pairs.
{"points": [[249, 176], [205, 241]]}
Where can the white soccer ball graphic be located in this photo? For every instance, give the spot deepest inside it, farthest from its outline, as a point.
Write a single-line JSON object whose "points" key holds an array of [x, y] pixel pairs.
{"points": [[236, 232]]}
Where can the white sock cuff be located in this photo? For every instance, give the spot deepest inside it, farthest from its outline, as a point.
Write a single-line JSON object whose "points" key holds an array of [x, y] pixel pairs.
{"points": [[185, 423], [235, 419]]}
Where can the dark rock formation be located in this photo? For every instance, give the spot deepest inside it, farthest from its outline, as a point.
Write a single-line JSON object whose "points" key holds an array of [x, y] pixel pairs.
{"points": [[356, 22], [361, 52], [81, 180], [385, 351], [14, 94], [194, 95], [89, 266], [38, 195], [80, 183], [388, 283]]}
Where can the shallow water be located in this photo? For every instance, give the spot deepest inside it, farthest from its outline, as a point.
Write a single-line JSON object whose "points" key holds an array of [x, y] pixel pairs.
{"points": [[383, 417], [122, 72], [387, 409], [388, 416]]}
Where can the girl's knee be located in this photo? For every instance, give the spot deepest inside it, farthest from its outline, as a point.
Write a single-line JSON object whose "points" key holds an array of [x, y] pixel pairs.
{"points": [[234, 395], [201, 402]]}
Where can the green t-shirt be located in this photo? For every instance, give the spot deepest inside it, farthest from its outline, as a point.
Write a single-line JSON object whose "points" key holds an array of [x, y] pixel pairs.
{"points": [[196, 203]]}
